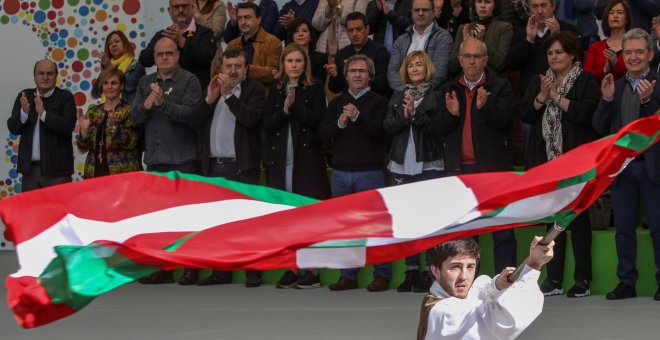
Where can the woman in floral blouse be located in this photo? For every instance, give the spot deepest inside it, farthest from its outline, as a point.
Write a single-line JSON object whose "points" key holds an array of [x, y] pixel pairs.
{"points": [[107, 132]]}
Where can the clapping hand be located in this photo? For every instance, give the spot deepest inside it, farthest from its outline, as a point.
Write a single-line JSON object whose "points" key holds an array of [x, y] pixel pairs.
{"points": [[84, 123], [607, 86], [546, 88], [451, 100], [482, 97], [645, 90], [290, 99], [38, 104], [25, 103], [104, 60], [408, 106]]}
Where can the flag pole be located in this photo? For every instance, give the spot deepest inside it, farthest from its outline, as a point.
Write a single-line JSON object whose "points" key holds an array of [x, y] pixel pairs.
{"points": [[549, 237]]}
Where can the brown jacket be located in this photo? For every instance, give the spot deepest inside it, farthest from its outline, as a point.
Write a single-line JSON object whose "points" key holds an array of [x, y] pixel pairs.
{"points": [[267, 51]]}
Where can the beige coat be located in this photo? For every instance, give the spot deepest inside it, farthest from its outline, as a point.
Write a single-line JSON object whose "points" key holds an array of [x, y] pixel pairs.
{"points": [[322, 23]]}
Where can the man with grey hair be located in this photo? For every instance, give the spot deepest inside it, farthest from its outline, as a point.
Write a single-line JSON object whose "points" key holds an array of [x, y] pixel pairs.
{"points": [[194, 42], [482, 107], [625, 100], [354, 122]]}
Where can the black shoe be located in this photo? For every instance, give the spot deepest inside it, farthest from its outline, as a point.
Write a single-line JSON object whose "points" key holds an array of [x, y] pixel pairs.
{"points": [[551, 287], [252, 278], [308, 280], [188, 278], [656, 297], [424, 283], [287, 280], [622, 291], [156, 278], [579, 289], [412, 277], [219, 277]]}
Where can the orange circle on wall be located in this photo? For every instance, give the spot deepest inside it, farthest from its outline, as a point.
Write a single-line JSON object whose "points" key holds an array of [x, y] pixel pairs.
{"points": [[58, 54]]}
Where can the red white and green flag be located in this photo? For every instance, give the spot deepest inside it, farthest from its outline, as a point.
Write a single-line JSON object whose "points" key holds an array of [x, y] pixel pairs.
{"points": [[77, 241]]}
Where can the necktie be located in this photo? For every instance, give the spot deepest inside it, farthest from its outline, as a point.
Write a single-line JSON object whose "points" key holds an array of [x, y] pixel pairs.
{"points": [[248, 48]]}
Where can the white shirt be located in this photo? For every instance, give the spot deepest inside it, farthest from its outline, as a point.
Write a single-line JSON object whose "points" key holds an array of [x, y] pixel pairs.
{"points": [[223, 126], [418, 41], [36, 138], [487, 313]]}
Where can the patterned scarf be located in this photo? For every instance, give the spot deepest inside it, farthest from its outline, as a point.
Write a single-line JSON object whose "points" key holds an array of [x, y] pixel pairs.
{"points": [[551, 123], [418, 91]]}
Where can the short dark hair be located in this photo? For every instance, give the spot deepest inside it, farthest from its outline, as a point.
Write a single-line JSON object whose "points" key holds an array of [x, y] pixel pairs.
{"points": [[441, 252], [249, 4], [568, 41], [357, 16], [234, 52], [605, 25], [110, 72], [299, 21], [496, 11]]}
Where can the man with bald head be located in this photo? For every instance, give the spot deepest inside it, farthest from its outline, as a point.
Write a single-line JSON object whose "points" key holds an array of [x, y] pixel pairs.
{"points": [[164, 103], [482, 106], [195, 43], [44, 117]]}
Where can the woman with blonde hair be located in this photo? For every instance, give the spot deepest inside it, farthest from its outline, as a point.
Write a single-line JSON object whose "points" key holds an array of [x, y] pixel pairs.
{"points": [[415, 122], [294, 155]]}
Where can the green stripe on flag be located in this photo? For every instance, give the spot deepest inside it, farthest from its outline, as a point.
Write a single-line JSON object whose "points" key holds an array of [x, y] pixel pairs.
{"points": [[563, 218], [258, 192], [585, 177], [636, 141], [362, 242]]}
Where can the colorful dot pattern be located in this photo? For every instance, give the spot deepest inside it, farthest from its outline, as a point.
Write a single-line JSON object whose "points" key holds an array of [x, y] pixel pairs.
{"points": [[72, 33]]}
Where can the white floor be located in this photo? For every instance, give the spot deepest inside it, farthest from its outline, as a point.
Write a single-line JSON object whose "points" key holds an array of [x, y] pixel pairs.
{"points": [[235, 312]]}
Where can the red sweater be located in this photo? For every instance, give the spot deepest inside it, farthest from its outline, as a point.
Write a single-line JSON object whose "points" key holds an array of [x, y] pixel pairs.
{"points": [[595, 61]]}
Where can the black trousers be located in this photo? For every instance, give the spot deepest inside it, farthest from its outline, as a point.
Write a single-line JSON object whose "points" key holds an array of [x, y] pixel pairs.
{"points": [[580, 230]]}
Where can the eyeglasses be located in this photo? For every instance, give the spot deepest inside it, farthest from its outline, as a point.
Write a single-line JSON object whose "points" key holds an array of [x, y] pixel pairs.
{"points": [[421, 10], [472, 56], [358, 70], [166, 54]]}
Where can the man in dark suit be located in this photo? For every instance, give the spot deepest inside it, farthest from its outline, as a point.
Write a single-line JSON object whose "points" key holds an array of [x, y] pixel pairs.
{"points": [[634, 96], [230, 118], [44, 118], [526, 53], [195, 42], [482, 106]]}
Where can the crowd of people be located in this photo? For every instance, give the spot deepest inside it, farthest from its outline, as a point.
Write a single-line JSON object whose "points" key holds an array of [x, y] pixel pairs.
{"points": [[443, 88]]}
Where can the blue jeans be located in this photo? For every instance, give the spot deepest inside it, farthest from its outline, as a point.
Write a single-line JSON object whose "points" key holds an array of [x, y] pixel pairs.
{"points": [[349, 182], [398, 179], [632, 185]]}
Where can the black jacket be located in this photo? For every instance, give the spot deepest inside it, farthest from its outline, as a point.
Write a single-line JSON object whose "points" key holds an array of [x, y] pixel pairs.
{"points": [[491, 127], [530, 59], [428, 124], [361, 145], [248, 110], [195, 56], [576, 123], [310, 177], [54, 133]]}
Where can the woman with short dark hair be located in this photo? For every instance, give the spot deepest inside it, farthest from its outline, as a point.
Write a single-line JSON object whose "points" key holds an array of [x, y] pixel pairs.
{"points": [[604, 57], [559, 106], [107, 132]]}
